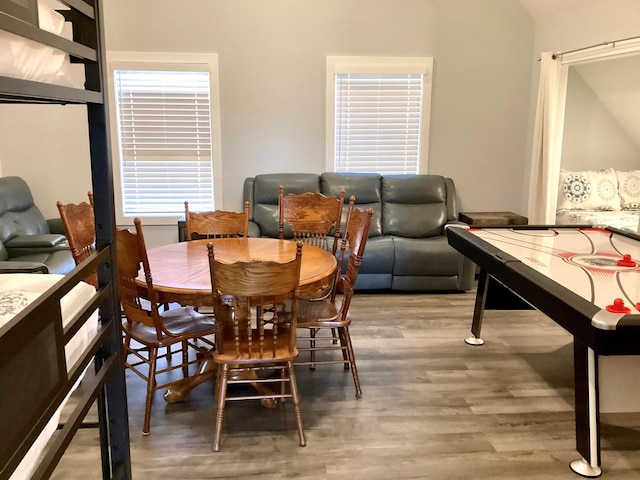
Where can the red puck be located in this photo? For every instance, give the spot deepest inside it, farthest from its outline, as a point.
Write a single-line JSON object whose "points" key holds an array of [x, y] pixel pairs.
{"points": [[626, 261], [618, 307]]}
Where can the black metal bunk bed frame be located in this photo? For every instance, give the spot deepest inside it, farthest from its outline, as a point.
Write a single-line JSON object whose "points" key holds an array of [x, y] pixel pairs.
{"points": [[36, 337]]}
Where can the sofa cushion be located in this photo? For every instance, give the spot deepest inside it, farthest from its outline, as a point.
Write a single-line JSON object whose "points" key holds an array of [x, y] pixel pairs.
{"points": [[414, 206], [265, 196], [377, 264], [425, 257], [378, 256], [365, 187]]}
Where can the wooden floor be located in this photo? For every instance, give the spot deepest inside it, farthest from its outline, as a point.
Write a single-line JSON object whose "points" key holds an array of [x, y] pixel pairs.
{"points": [[432, 407]]}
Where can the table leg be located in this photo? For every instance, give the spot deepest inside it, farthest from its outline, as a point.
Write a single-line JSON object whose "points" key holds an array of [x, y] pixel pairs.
{"points": [[587, 411], [478, 310], [179, 389]]}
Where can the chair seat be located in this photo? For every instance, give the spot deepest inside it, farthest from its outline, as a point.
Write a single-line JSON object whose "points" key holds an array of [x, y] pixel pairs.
{"points": [[282, 351], [176, 320], [325, 312]]}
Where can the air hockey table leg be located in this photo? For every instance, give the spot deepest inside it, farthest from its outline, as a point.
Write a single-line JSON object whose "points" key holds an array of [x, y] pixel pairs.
{"points": [[478, 310], [587, 417]]}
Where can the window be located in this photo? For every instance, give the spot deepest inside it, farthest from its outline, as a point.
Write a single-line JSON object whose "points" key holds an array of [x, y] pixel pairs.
{"points": [[378, 114], [167, 138]]}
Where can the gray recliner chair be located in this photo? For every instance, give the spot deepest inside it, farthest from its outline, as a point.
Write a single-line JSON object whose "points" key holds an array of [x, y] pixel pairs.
{"points": [[28, 242]]}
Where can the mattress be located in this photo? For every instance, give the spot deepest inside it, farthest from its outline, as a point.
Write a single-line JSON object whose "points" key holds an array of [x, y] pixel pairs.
{"points": [[16, 292], [29, 60], [621, 219]]}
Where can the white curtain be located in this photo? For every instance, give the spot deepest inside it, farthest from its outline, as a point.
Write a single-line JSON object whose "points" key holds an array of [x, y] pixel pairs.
{"points": [[549, 123], [547, 141]]}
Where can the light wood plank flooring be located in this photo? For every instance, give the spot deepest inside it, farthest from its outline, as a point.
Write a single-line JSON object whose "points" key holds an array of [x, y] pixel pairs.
{"points": [[432, 407]]}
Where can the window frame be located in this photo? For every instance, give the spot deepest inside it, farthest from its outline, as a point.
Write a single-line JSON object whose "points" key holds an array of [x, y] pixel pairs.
{"points": [[163, 61], [378, 65]]}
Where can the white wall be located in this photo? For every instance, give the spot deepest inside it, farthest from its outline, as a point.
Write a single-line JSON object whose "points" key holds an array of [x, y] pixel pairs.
{"points": [[47, 145], [593, 137], [272, 60]]}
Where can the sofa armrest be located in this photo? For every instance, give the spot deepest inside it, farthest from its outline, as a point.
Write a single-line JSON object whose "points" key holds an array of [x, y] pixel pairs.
{"points": [[56, 225], [10, 266], [44, 240], [254, 230], [455, 223]]}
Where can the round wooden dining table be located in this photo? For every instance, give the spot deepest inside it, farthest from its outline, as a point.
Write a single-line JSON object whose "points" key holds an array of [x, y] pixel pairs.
{"points": [[180, 273]]}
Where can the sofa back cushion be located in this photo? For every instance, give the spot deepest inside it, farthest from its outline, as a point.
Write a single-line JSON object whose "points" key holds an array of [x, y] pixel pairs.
{"points": [[414, 206], [18, 213], [364, 186], [265, 196]]}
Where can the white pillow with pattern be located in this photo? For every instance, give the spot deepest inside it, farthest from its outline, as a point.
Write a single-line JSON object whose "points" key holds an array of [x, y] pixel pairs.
{"points": [[588, 190], [629, 189]]}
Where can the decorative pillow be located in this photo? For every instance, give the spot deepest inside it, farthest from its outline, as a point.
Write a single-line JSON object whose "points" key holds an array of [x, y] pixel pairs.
{"points": [[588, 190], [629, 189]]}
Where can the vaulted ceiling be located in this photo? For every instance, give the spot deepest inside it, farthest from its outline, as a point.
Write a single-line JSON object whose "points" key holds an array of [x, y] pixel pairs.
{"points": [[539, 9], [615, 82]]}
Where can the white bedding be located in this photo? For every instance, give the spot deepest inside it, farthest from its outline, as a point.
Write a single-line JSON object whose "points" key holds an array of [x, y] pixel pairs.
{"points": [[29, 60], [16, 291], [622, 219]]}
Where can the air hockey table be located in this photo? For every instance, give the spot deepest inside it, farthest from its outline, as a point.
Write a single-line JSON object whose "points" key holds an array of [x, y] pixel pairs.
{"points": [[585, 279]]}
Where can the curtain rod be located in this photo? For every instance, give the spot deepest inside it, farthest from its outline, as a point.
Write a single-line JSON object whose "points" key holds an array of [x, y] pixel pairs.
{"points": [[604, 44]]}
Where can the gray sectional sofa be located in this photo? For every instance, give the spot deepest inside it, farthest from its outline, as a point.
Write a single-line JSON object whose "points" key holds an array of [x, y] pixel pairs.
{"points": [[407, 249], [28, 242]]}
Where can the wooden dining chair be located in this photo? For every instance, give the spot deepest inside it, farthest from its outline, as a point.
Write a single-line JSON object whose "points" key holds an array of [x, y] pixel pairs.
{"points": [[244, 345], [146, 329], [80, 229], [216, 224], [310, 217], [332, 313]]}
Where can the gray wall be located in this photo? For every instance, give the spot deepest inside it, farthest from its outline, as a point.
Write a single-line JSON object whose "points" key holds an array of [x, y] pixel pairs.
{"points": [[593, 137], [272, 78], [272, 85]]}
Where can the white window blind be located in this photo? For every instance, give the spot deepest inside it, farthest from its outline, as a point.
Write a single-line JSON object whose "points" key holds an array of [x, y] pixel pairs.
{"points": [[164, 128], [378, 122]]}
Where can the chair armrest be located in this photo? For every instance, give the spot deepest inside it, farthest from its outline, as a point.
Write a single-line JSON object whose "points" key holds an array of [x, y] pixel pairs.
{"points": [[44, 240], [455, 223], [56, 225], [10, 266]]}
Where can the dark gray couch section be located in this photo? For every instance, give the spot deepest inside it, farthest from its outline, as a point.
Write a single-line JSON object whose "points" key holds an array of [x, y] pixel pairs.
{"points": [[29, 242], [407, 249], [262, 193]]}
